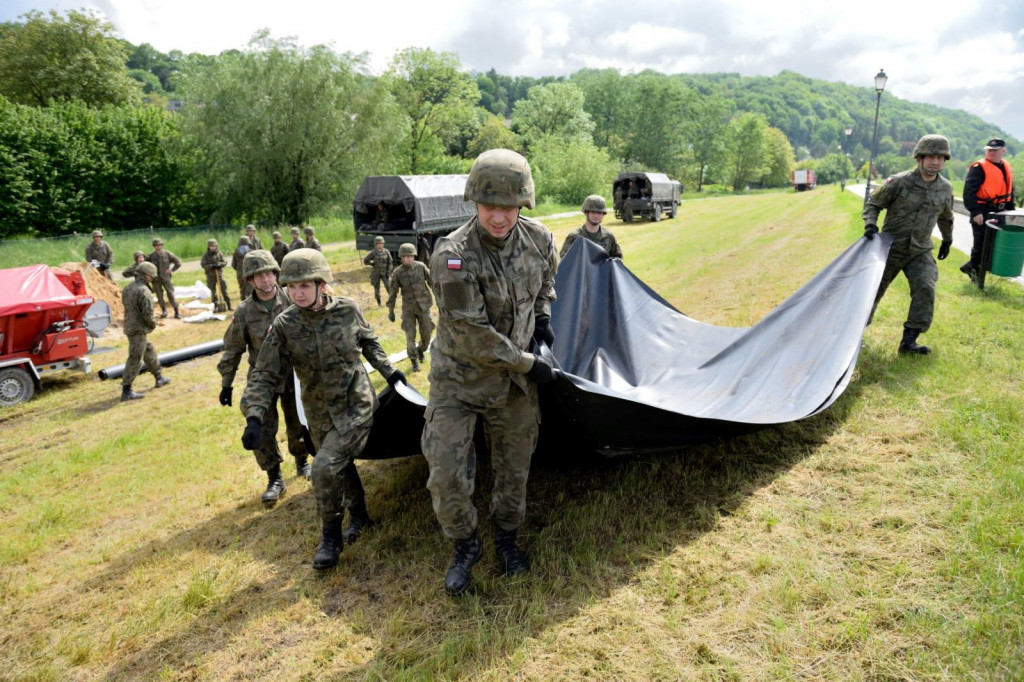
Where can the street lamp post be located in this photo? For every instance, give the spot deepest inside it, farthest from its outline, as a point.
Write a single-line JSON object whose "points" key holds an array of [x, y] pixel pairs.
{"points": [[880, 80], [846, 156]]}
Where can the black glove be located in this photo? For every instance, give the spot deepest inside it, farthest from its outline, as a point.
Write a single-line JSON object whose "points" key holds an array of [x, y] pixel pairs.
{"points": [[391, 316], [870, 231], [944, 249], [542, 372], [253, 434], [395, 377], [225, 395], [542, 330]]}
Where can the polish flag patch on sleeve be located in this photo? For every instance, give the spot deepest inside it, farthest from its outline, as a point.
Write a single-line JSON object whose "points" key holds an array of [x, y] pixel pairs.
{"points": [[454, 263]]}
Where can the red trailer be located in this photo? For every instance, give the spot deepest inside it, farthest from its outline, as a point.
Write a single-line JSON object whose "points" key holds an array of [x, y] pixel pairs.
{"points": [[43, 327]]}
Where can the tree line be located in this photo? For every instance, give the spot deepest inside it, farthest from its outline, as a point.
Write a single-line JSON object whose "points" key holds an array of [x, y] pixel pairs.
{"points": [[97, 132]]}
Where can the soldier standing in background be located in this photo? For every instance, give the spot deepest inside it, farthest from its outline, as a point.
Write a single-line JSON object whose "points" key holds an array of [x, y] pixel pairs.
{"points": [[244, 247], [412, 280], [279, 249], [380, 260], [166, 263], [99, 254], [213, 265], [913, 202], [254, 241], [246, 333], [296, 243], [322, 337], [988, 190], [594, 210], [137, 257], [311, 241], [138, 322], [494, 281]]}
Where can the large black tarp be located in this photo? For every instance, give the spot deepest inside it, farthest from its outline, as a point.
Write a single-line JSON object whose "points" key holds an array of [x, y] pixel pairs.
{"points": [[637, 374]]}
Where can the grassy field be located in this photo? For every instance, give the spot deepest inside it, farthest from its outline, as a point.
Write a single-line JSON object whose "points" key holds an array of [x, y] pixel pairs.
{"points": [[879, 540]]}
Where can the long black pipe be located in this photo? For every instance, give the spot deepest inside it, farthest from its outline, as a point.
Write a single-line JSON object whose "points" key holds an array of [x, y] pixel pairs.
{"points": [[170, 357]]}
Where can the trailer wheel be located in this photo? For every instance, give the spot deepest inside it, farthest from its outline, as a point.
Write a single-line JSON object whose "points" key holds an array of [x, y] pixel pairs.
{"points": [[656, 217], [672, 211], [15, 386]]}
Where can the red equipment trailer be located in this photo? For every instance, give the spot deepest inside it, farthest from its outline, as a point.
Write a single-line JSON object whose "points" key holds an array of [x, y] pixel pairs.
{"points": [[42, 327]]}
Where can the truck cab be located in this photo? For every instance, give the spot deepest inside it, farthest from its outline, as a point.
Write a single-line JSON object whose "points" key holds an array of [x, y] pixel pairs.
{"points": [[645, 195]]}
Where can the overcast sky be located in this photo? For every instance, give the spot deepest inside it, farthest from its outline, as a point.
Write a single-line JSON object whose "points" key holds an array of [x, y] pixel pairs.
{"points": [[965, 54]]}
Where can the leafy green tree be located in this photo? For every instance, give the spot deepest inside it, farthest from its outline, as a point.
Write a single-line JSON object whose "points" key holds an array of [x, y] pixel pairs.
{"points": [[285, 131], [606, 100], [708, 134], [438, 98], [553, 109], [566, 171], [60, 59], [492, 134], [748, 150], [780, 159], [660, 111]]}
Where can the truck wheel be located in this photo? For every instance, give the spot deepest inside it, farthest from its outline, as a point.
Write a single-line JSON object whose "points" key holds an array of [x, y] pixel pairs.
{"points": [[656, 216], [15, 386], [674, 210]]}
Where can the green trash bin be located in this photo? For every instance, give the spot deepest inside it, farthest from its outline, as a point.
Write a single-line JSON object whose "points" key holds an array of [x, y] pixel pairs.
{"points": [[1008, 252]]}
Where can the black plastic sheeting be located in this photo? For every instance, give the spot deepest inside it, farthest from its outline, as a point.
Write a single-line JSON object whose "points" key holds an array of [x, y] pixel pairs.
{"points": [[638, 375]]}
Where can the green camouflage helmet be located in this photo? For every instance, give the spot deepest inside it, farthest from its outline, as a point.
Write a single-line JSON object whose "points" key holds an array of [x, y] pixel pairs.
{"points": [[211, 242], [157, 240], [275, 235], [304, 265], [308, 231], [137, 254], [97, 233], [146, 268], [244, 241], [595, 202], [257, 261], [930, 145], [378, 239], [406, 249], [500, 177]]}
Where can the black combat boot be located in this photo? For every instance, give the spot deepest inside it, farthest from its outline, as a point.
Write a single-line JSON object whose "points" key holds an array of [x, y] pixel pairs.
{"points": [[302, 467], [161, 380], [377, 296], [513, 562], [128, 394], [163, 312], [969, 270], [227, 302], [177, 315], [460, 573], [420, 353], [330, 546], [415, 363], [909, 343], [275, 487], [358, 521]]}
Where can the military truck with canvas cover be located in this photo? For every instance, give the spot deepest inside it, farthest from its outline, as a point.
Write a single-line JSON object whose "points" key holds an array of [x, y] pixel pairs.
{"points": [[419, 209], [645, 195]]}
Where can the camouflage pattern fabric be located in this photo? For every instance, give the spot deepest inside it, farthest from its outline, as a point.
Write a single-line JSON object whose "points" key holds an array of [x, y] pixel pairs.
{"points": [[129, 272], [313, 243], [164, 261], [244, 287], [279, 250], [488, 294], [138, 322], [213, 265], [381, 272], [101, 253], [922, 275], [336, 482], [296, 243], [413, 283], [603, 238], [255, 243]]}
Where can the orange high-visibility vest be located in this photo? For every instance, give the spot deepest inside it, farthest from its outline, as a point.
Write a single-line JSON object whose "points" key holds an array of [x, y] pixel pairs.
{"points": [[997, 188]]}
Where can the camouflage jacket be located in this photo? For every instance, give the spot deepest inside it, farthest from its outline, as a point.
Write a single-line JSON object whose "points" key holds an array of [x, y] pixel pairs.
{"points": [[912, 208], [380, 260], [249, 327], [413, 281], [313, 243], [603, 238], [238, 256], [102, 253], [212, 259], [488, 294], [296, 244], [255, 242], [165, 260], [279, 250], [129, 272], [137, 299], [324, 347]]}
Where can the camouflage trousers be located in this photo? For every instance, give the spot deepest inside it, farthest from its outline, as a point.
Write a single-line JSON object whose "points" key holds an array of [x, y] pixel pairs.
{"points": [[410, 321], [447, 443], [922, 275], [244, 287], [139, 350], [160, 287], [376, 279], [268, 454], [336, 483], [214, 278]]}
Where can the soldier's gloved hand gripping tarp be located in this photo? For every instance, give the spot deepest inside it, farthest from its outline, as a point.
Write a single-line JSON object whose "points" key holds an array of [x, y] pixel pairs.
{"points": [[637, 374]]}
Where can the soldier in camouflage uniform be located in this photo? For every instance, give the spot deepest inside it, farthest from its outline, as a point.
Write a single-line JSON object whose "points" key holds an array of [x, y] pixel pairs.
{"points": [[213, 265], [99, 251], [138, 322], [494, 281], [412, 280], [913, 202], [594, 210], [255, 242], [166, 263], [380, 260], [322, 338], [279, 248], [248, 329], [296, 243], [244, 247], [311, 241], [129, 272]]}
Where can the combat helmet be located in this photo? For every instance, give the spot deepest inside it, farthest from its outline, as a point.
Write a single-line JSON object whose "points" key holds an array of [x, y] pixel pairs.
{"points": [[146, 268], [137, 254], [275, 235], [244, 241], [595, 202], [930, 145], [157, 240], [303, 265], [500, 177], [212, 242], [378, 239], [97, 233], [308, 231], [257, 261], [406, 249]]}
